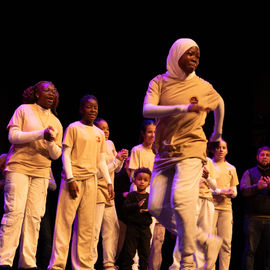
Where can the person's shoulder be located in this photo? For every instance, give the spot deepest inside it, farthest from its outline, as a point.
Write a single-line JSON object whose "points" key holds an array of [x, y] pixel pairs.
{"points": [[252, 169], [98, 130], [23, 107], [110, 143], [132, 194], [74, 125], [203, 81], [137, 147], [230, 166], [160, 78]]}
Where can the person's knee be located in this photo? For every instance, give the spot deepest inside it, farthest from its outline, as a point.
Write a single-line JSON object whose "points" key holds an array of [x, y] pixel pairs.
{"points": [[12, 217]]}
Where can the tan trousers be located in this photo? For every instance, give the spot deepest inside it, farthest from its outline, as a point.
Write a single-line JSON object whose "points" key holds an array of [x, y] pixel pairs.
{"points": [[172, 201], [205, 215], [25, 201], [83, 208], [223, 227], [107, 222], [155, 258]]}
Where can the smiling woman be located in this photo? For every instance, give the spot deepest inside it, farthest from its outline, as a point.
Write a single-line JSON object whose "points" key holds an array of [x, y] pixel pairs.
{"points": [[36, 137], [179, 100], [44, 94]]}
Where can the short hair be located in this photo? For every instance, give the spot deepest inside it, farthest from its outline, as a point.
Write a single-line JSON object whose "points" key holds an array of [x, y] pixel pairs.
{"points": [[85, 99], [141, 170], [263, 148]]}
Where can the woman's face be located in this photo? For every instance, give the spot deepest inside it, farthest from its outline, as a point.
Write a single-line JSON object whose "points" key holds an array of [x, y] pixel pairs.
{"points": [[221, 151], [149, 134], [46, 95], [89, 112], [189, 61], [103, 125]]}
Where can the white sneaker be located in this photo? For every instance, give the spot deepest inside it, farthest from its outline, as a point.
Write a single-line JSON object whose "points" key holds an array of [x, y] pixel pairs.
{"points": [[213, 245]]}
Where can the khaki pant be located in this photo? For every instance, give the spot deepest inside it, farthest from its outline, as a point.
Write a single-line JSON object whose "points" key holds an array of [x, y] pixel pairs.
{"points": [[107, 222], [155, 258], [205, 216], [83, 208], [223, 227], [25, 201], [173, 197]]}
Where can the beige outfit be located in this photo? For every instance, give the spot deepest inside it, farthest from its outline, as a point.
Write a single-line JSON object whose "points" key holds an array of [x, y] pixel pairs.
{"points": [[106, 216], [223, 218], [204, 215], [141, 157], [87, 143], [181, 151], [27, 173]]}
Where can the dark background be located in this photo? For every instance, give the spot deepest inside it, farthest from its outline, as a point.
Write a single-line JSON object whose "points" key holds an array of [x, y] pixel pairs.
{"points": [[113, 51]]}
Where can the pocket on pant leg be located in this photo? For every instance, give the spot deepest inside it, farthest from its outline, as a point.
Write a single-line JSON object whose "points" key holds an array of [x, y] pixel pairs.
{"points": [[14, 198], [9, 202]]}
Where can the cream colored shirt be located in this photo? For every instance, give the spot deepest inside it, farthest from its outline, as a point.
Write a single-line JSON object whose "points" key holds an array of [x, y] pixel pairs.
{"points": [[180, 136], [141, 157], [86, 142], [226, 178], [32, 158]]}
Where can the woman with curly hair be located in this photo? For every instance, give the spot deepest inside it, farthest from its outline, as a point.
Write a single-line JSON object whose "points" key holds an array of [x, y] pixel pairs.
{"points": [[35, 134]]}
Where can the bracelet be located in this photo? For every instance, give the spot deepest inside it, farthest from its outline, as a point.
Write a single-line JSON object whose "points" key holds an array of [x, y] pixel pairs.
{"points": [[70, 181]]}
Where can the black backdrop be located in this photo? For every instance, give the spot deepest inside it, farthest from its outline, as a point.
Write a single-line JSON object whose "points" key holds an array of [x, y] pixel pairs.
{"points": [[114, 51]]}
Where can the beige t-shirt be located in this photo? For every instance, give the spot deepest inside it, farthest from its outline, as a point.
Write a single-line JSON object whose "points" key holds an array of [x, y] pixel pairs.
{"points": [[86, 142], [180, 136], [141, 157], [32, 158], [226, 178]]}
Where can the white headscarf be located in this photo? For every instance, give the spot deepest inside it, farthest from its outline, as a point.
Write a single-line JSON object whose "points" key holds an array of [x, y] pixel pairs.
{"points": [[178, 48]]}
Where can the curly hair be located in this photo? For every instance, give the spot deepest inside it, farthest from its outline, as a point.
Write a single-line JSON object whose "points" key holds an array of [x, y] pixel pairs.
{"points": [[142, 170], [29, 94]]}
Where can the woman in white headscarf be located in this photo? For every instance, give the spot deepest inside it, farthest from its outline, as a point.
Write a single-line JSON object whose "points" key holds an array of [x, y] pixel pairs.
{"points": [[180, 101]]}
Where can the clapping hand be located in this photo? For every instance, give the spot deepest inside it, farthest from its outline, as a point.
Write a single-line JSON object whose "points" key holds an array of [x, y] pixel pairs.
{"points": [[264, 182], [122, 155], [140, 203], [49, 134]]}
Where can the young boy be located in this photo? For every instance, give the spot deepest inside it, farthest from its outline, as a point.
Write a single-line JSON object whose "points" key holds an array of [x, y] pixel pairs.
{"points": [[138, 222]]}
